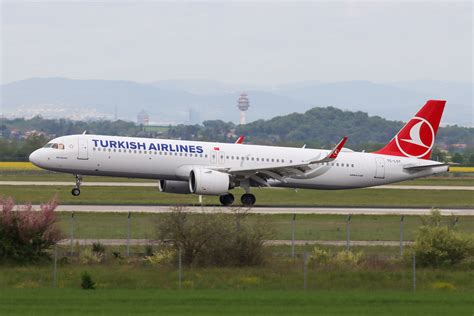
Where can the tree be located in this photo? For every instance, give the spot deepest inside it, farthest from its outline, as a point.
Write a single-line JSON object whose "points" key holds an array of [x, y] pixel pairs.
{"points": [[471, 160], [27, 235], [458, 158], [214, 239]]}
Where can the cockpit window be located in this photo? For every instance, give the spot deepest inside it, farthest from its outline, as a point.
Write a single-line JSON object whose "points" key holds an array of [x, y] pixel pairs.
{"points": [[54, 145]]}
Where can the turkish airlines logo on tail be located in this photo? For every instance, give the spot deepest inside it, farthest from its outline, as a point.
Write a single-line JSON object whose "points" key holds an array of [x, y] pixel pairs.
{"points": [[416, 139]]}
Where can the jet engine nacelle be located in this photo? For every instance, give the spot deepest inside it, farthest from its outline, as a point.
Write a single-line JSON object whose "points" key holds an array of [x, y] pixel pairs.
{"points": [[169, 186], [208, 182]]}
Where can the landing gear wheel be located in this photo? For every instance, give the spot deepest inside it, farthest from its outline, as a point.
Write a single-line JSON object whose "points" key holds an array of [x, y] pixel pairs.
{"points": [[248, 199], [76, 190], [226, 199]]}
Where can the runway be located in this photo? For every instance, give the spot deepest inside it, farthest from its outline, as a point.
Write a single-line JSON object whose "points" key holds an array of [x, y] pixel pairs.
{"points": [[154, 184], [261, 210]]}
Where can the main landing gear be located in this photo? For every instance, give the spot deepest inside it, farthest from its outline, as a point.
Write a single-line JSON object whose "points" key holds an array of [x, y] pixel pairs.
{"points": [[247, 199], [77, 189], [227, 199]]}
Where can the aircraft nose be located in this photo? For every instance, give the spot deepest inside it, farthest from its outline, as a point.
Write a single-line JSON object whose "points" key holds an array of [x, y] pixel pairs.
{"points": [[34, 157]]}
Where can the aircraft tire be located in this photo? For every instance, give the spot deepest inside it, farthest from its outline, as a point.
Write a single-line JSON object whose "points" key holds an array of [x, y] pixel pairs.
{"points": [[248, 199], [226, 199], [75, 192]]}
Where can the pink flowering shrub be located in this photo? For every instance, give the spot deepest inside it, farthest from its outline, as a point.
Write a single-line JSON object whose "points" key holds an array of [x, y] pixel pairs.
{"points": [[25, 233]]}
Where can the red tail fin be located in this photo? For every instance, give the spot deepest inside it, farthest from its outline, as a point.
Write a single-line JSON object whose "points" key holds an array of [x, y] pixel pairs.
{"points": [[417, 137]]}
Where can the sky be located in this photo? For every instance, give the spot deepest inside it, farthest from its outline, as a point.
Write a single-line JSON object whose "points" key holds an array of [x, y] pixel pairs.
{"points": [[267, 42]]}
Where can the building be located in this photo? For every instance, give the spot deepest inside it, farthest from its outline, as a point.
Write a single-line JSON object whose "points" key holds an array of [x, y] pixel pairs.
{"points": [[143, 118], [243, 105]]}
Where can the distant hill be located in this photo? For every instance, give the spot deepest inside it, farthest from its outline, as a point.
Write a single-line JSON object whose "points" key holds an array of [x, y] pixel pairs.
{"points": [[322, 126], [169, 101]]}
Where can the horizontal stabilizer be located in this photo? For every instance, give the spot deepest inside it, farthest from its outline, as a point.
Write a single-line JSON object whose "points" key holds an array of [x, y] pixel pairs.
{"points": [[423, 167]]}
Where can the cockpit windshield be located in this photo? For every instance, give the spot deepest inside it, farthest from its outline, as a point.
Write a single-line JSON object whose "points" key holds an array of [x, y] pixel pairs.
{"points": [[54, 145]]}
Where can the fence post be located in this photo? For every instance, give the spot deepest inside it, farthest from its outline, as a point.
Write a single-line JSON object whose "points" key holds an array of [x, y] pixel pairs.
{"points": [[55, 267], [401, 234], [414, 271], [180, 275], [293, 226], [72, 219], [348, 232], [129, 232], [305, 270]]}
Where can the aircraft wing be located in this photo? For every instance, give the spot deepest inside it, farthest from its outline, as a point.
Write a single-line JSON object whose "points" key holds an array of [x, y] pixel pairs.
{"points": [[280, 172]]}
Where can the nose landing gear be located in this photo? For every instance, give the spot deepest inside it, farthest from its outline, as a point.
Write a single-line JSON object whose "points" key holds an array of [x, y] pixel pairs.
{"points": [[76, 191]]}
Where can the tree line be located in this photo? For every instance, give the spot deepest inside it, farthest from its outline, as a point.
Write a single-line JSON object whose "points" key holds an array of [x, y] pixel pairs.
{"points": [[316, 128]]}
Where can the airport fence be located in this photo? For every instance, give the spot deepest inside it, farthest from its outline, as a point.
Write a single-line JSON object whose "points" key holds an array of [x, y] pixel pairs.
{"points": [[293, 231], [309, 259]]}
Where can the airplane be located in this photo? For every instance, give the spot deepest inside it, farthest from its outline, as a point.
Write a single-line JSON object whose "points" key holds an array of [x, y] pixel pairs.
{"points": [[211, 168]]}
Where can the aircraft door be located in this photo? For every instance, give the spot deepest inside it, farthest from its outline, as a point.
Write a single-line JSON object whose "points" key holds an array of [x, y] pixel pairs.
{"points": [[379, 168], [83, 152]]}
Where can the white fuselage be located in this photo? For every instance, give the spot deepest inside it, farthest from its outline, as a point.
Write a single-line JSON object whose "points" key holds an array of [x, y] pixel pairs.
{"points": [[173, 159]]}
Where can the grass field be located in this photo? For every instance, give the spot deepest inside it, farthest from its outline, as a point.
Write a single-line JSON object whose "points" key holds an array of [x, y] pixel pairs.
{"points": [[308, 226], [151, 196], [231, 302]]}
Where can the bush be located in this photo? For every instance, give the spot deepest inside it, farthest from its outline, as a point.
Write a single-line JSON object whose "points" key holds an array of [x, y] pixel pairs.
{"points": [[26, 235], [162, 256], [341, 258], [215, 239], [86, 281], [98, 248], [438, 245], [88, 256]]}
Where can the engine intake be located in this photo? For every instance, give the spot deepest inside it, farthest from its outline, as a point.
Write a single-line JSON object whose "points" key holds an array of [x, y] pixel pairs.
{"points": [[209, 182], [170, 186]]}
